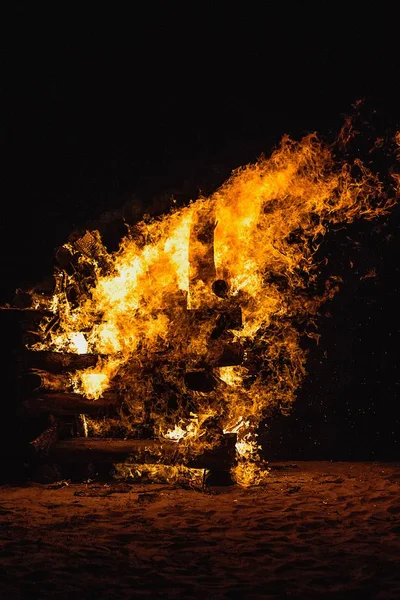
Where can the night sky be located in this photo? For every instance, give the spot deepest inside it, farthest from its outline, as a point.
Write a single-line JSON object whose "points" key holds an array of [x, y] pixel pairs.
{"points": [[104, 106]]}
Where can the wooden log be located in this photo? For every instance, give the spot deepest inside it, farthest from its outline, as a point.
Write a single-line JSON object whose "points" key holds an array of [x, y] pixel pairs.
{"points": [[70, 404], [110, 450], [58, 362], [43, 381]]}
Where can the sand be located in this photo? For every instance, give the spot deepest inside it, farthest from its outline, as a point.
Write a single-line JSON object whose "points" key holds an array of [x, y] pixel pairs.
{"points": [[316, 530]]}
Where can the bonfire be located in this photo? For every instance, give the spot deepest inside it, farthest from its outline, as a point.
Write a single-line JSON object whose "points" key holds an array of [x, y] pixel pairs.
{"points": [[191, 331]]}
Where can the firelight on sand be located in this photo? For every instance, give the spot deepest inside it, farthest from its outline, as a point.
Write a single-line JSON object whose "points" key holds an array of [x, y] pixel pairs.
{"points": [[235, 270]]}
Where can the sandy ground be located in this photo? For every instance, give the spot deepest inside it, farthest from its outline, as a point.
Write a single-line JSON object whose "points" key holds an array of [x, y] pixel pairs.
{"points": [[316, 530]]}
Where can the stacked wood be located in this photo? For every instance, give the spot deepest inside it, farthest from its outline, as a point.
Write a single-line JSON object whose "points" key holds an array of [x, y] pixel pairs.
{"points": [[46, 381]]}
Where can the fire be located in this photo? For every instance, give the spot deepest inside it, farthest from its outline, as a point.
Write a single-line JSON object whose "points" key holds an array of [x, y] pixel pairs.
{"points": [[236, 272], [93, 384], [78, 343], [161, 473]]}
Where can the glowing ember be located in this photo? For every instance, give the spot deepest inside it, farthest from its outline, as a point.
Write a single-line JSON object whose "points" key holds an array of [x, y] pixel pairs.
{"points": [[197, 318]]}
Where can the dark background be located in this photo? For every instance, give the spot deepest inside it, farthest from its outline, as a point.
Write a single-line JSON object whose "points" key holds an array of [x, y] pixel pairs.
{"points": [[103, 107]]}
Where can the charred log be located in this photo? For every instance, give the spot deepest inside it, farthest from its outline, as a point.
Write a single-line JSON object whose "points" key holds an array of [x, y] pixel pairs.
{"points": [[58, 362], [103, 450], [43, 381], [70, 404]]}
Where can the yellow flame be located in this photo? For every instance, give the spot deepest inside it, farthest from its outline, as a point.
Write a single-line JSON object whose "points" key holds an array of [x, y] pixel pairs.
{"points": [[231, 375], [151, 315], [78, 343], [159, 473], [94, 384]]}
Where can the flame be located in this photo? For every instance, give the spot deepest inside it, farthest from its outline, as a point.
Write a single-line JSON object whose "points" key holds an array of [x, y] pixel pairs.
{"points": [[93, 384], [151, 310], [159, 473], [232, 376], [78, 343], [191, 428]]}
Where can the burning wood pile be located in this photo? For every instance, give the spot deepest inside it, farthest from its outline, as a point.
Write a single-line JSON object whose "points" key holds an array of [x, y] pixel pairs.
{"points": [[164, 356]]}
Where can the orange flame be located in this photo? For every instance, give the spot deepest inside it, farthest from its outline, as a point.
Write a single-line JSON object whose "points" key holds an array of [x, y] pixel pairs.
{"points": [[257, 238]]}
